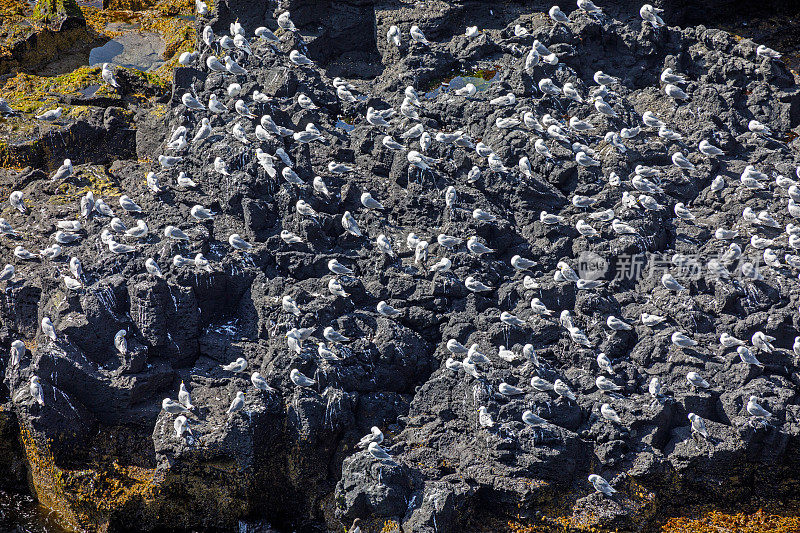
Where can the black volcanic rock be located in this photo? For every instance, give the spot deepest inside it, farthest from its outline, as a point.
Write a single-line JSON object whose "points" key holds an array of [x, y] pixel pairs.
{"points": [[291, 455]]}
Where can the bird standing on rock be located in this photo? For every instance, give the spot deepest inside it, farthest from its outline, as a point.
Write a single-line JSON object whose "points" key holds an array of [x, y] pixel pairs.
{"points": [[237, 404]]}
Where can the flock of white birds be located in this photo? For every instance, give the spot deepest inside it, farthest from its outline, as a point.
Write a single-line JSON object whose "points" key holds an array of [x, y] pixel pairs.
{"points": [[416, 142]]}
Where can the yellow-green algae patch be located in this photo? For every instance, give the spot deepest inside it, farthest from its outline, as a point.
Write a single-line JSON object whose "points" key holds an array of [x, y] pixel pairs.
{"points": [[21, 136], [94, 178], [84, 497], [14, 26], [29, 93], [47, 10]]}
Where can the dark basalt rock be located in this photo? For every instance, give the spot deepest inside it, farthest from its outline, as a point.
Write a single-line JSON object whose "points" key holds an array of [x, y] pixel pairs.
{"points": [[291, 455]]}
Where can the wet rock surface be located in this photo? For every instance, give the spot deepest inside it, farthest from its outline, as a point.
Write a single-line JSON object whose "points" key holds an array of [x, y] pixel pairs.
{"points": [[291, 455], [142, 50]]}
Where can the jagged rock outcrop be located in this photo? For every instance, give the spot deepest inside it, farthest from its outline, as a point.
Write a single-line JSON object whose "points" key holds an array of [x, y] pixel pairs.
{"points": [[102, 452]]}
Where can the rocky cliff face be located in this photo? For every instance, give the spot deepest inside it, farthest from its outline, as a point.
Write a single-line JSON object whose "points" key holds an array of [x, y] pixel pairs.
{"points": [[102, 453]]}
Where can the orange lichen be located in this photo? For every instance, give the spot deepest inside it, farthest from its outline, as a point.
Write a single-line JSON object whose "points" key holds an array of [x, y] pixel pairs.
{"points": [[717, 522], [390, 526], [552, 526], [15, 24], [83, 497]]}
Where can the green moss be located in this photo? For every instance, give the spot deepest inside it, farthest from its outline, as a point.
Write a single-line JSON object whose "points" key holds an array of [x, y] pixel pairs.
{"points": [[50, 10]]}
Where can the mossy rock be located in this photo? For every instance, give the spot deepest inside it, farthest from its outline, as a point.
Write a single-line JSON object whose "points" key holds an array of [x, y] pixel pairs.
{"points": [[51, 10]]}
